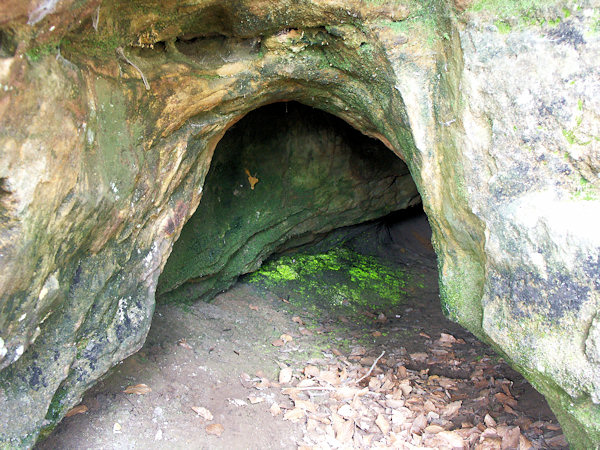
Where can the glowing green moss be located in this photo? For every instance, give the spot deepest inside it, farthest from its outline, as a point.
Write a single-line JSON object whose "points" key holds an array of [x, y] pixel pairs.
{"points": [[340, 279]]}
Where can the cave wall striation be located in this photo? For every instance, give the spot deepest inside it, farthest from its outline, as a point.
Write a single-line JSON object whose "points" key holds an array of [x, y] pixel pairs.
{"points": [[110, 112]]}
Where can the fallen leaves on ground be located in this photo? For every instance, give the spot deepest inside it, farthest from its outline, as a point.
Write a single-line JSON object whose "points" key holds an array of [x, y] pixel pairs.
{"points": [[139, 389], [215, 429], [285, 375], [362, 400], [79, 409], [203, 412], [183, 343]]}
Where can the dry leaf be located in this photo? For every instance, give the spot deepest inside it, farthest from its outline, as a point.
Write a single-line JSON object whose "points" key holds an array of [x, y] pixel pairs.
{"points": [[285, 375], [237, 402], [117, 428], [453, 439], [286, 338], [77, 410], [275, 409], [203, 412], [376, 333], [344, 429], [253, 307], [254, 400], [489, 421], [383, 424], [305, 405], [305, 332], [294, 415], [183, 343], [511, 438], [139, 389], [216, 429]]}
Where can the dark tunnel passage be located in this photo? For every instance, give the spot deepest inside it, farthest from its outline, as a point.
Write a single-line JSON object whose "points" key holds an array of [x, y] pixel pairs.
{"points": [[300, 307]]}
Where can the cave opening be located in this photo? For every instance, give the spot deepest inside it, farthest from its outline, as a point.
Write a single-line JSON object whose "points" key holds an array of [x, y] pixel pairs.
{"points": [[300, 305]]}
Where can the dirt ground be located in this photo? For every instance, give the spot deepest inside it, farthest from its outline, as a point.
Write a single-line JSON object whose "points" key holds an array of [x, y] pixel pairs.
{"points": [[254, 370]]}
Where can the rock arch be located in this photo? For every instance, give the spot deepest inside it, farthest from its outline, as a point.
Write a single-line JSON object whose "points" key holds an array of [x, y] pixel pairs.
{"points": [[112, 112]]}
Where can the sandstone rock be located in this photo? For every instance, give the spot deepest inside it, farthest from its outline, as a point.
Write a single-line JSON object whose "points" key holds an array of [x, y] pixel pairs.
{"points": [[495, 113]]}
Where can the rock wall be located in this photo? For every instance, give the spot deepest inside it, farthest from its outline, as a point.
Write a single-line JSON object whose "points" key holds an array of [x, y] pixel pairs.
{"points": [[110, 112]]}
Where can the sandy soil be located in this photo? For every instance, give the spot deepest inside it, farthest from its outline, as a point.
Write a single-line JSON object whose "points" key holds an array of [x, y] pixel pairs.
{"points": [[226, 356]]}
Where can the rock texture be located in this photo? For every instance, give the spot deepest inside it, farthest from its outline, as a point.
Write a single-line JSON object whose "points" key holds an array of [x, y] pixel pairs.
{"points": [[110, 112]]}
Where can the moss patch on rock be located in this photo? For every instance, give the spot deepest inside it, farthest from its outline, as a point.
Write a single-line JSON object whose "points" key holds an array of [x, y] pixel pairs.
{"points": [[340, 280]]}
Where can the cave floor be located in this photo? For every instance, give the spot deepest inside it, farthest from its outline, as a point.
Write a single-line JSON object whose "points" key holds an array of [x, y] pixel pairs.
{"points": [[257, 368]]}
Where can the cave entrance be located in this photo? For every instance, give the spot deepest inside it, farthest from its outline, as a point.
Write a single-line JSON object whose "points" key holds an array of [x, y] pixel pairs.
{"points": [[285, 177], [325, 323]]}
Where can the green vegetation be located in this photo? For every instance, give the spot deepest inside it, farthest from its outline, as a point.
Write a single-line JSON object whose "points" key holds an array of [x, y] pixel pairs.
{"points": [[574, 135], [586, 191], [510, 14], [424, 19], [339, 280], [37, 53]]}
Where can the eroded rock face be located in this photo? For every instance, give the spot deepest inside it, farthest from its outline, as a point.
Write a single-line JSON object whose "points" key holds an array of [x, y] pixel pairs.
{"points": [[111, 111]]}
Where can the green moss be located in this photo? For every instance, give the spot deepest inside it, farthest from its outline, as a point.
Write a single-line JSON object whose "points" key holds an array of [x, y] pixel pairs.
{"points": [[585, 191], [424, 20], [56, 406], [461, 289], [510, 14], [503, 27], [569, 136], [37, 53], [340, 279], [91, 45]]}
